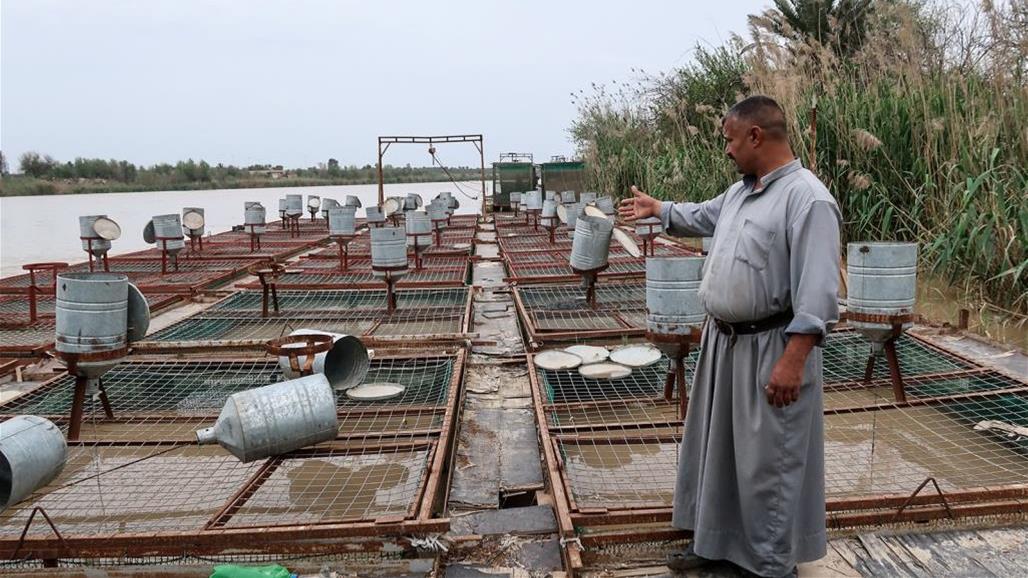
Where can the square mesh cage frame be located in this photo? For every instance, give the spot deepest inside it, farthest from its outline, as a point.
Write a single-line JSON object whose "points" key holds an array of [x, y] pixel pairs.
{"points": [[121, 479], [617, 440]]}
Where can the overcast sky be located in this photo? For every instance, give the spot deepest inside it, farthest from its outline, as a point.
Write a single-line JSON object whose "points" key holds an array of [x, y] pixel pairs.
{"points": [[298, 81]]}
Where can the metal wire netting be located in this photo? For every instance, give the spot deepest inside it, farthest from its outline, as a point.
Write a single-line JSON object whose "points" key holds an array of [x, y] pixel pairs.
{"points": [[618, 438], [142, 471], [426, 313]]}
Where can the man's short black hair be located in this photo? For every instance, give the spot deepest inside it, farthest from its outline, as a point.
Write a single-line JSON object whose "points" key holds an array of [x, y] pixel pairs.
{"points": [[761, 111]]}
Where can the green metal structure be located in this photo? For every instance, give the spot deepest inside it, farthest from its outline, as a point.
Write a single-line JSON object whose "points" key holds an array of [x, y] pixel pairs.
{"points": [[513, 172], [561, 174]]}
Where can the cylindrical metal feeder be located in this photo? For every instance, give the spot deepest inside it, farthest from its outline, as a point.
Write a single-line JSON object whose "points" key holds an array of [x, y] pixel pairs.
{"points": [[439, 217], [96, 233], [275, 419], [97, 315], [881, 291], [419, 233], [589, 251], [586, 198], [313, 205], [648, 230], [605, 204], [254, 221], [342, 227], [345, 360], [389, 259], [294, 205], [412, 202], [675, 315], [353, 201], [375, 216], [515, 201], [327, 204], [548, 217], [193, 225], [32, 454]]}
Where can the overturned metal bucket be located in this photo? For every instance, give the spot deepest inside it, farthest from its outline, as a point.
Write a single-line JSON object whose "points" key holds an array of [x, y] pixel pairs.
{"points": [[32, 454], [591, 245]]}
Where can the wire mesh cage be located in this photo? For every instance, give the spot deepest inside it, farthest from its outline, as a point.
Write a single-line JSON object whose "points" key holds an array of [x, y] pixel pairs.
{"points": [[141, 473], [963, 425]]}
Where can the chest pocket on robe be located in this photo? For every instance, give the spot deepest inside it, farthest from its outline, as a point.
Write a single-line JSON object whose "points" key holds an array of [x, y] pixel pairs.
{"points": [[754, 244]]}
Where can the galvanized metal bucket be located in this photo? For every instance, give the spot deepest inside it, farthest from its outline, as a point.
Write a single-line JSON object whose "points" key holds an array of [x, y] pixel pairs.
{"points": [[187, 219], [605, 204], [342, 221], [591, 244], [91, 241], [548, 217], [389, 249], [275, 419], [294, 205], [515, 198], [375, 215], [672, 295], [168, 232], [345, 364], [91, 318], [882, 281], [254, 217], [648, 227], [353, 201], [586, 198], [326, 205], [32, 454], [418, 227], [532, 200], [412, 202]]}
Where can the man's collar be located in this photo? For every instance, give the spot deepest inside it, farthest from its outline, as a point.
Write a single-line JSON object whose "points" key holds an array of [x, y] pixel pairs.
{"points": [[757, 186]]}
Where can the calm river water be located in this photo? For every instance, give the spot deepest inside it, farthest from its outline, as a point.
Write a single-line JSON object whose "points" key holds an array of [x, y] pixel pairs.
{"points": [[46, 228]]}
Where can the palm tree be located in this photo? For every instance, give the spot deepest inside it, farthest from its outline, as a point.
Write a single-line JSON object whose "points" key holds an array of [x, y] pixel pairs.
{"points": [[840, 24]]}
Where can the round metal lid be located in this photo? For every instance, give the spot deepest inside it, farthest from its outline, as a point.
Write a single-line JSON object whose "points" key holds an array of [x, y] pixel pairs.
{"points": [[138, 314], [555, 359], [562, 214], [627, 242], [589, 353], [593, 211], [148, 233], [192, 220], [636, 355], [604, 371], [106, 228], [313, 202], [390, 206], [375, 391]]}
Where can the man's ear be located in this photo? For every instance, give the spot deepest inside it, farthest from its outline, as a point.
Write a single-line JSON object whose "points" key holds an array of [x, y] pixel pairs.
{"points": [[756, 135]]}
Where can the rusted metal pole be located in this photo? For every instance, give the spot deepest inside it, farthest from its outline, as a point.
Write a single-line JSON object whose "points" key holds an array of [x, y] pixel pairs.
{"points": [[381, 182], [481, 156]]}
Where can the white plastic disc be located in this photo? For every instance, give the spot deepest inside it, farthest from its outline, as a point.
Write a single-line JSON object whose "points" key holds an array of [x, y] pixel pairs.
{"points": [[192, 220], [313, 202], [593, 211], [375, 391], [627, 242], [106, 228], [461, 246], [555, 359], [562, 214], [636, 355], [390, 206], [604, 371], [589, 353]]}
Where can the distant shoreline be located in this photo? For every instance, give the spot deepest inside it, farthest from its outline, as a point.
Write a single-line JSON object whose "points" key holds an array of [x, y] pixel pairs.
{"points": [[19, 186]]}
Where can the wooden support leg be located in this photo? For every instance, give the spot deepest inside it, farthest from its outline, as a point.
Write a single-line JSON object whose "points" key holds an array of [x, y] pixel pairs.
{"points": [[898, 390]]}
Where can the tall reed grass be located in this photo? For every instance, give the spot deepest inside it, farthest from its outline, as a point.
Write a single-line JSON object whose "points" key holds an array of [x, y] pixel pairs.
{"points": [[922, 135]]}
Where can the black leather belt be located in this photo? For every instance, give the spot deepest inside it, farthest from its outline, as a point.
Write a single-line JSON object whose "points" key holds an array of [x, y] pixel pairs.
{"points": [[780, 319]]}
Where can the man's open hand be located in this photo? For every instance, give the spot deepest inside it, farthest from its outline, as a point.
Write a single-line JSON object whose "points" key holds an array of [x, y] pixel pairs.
{"points": [[638, 206]]}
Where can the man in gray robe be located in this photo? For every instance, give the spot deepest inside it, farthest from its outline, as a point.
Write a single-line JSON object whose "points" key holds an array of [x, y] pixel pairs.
{"points": [[751, 470]]}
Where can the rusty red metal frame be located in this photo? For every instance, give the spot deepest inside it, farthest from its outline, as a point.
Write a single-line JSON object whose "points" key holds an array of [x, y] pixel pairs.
{"points": [[650, 522], [475, 139], [537, 337], [312, 538]]}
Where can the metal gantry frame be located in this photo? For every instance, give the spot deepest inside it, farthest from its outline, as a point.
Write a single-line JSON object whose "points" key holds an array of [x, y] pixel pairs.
{"points": [[475, 139]]}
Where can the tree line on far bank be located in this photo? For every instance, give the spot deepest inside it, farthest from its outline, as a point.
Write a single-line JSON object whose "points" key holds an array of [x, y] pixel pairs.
{"points": [[42, 174]]}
